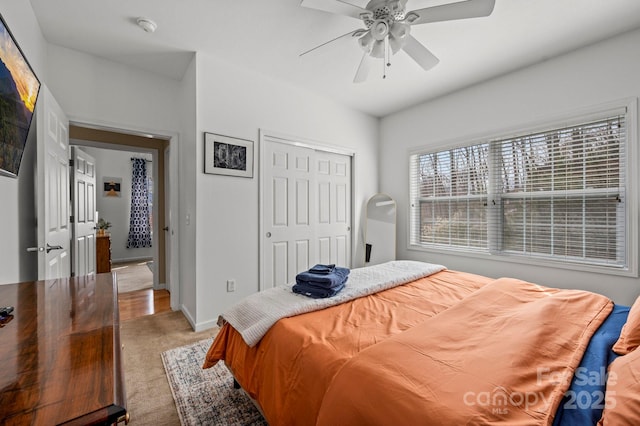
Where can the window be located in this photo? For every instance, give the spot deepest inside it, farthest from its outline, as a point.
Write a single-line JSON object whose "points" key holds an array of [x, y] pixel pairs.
{"points": [[451, 188], [558, 194]]}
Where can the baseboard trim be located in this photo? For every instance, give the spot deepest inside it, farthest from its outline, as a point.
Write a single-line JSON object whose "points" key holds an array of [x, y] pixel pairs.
{"points": [[206, 325], [132, 259], [197, 326], [188, 316]]}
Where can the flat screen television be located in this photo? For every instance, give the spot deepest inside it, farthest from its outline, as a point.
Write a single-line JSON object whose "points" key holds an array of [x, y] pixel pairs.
{"points": [[19, 88]]}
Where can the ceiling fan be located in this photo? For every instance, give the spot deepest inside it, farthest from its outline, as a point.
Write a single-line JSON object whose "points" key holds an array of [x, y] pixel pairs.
{"points": [[388, 27]]}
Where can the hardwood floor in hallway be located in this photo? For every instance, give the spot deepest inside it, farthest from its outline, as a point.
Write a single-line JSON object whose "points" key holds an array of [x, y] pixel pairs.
{"points": [[139, 303]]}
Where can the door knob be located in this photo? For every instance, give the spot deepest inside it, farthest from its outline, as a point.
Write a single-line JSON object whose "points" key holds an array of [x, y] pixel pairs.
{"points": [[268, 234], [166, 228], [49, 248]]}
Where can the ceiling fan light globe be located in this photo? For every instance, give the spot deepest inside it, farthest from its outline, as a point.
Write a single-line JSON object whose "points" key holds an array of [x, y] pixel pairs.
{"points": [[394, 6], [366, 42], [377, 49], [380, 29], [400, 31], [395, 44]]}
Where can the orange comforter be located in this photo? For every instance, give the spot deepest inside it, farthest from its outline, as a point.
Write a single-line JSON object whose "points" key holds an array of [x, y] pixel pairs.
{"points": [[506, 354], [365, 361], [288, 371]]}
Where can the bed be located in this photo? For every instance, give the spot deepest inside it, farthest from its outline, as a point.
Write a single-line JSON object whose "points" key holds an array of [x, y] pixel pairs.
{"points": [[430, 347]]}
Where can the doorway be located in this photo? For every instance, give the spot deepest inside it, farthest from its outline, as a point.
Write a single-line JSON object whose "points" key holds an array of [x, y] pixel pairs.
{"points": [[153, 147]]}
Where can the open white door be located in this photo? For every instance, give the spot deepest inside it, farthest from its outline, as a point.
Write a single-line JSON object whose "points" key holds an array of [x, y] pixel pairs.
{"points": [[83, 179], [172, 219], [168, 231], [52, 192]]}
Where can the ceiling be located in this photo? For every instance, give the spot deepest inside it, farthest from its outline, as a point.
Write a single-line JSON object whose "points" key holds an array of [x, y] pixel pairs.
{"points": [[267, 36]]}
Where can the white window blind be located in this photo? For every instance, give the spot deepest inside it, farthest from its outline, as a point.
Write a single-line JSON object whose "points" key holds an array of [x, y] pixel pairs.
{"points": [[450, 196], [561, 192], [558, 194]]}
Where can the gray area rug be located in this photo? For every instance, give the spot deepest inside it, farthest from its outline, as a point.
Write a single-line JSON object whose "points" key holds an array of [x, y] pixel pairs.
{"points": [[206, 397]]}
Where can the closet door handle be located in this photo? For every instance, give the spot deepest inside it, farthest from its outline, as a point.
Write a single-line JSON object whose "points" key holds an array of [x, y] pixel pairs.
{"points": [[49, 248]]}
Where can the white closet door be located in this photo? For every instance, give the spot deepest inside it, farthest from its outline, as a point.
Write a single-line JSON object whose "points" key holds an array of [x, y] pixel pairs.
{"points": [[306, 210], [333, 231]]}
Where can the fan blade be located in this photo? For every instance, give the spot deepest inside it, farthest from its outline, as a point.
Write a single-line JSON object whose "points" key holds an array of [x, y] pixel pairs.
{"points": [[354, 33], [420, 54], [448, 12], [363, 69], [338, 7]]}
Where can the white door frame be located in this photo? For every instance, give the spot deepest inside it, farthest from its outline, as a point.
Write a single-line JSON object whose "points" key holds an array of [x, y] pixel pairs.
{"points": [[267, 136], [172, 220]]}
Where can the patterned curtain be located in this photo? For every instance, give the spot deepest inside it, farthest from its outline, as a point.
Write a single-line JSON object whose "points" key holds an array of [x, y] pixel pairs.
{"points": [[140, 220]]}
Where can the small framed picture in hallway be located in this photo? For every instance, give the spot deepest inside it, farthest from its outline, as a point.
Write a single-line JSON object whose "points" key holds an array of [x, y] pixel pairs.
{"points": [[111, 186]]}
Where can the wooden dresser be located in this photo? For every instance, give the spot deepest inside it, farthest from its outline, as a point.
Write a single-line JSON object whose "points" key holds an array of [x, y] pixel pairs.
{"points": [[103, 254], [60, 357]]}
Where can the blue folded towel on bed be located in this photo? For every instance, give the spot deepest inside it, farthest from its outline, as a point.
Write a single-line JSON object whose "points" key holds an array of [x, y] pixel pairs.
{"points": [[316, 292], [322, 269], [330, 280], [326, 281]]}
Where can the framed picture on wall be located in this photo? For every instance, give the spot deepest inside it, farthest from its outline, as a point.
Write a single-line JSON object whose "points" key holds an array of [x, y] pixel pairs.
{"points": [[225, 155], [111, 186], [19, 88]]}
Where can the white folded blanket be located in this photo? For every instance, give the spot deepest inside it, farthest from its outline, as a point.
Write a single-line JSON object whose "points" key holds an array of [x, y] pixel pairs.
{"points": [[253, 316]]}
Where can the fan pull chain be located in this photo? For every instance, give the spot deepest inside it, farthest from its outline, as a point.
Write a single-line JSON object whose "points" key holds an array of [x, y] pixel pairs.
{"points": [[387, 51], [387, 58]]}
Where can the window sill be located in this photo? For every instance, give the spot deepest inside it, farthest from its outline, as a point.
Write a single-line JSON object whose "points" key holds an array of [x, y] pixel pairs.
{"points": [[531, 261]]}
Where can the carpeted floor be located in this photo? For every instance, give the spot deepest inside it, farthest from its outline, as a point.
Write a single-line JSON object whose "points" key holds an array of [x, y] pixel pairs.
{"points": [[149, 397], [206, 397]]}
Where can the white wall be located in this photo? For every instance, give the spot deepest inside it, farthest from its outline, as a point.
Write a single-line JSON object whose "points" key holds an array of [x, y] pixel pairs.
{"points": [[221, 240], [604, 72], [237, 102], [117, 210], [98, 91], [17, 215], [187, 193]]}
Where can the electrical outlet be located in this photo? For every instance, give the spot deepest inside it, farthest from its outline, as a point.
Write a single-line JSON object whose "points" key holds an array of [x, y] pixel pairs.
{"points": [[231, 285]]}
